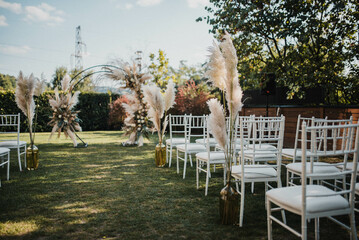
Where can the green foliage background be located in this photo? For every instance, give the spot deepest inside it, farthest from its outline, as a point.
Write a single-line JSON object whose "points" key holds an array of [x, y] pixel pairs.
{"points": [[94, 110]]}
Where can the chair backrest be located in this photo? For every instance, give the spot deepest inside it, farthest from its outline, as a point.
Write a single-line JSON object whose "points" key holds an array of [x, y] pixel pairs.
{"points": [[10, 124], [342, 141], [196, 127], [263, 131], [177, 124]]}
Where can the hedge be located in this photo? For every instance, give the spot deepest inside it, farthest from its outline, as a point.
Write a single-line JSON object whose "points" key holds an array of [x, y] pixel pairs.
{"points": [[94, 110]]}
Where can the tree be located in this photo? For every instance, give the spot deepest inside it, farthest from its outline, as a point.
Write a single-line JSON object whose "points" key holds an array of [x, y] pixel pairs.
{"points": [[84, 86], [185, 73], [7, 82], [307, 43], [159, 69]]}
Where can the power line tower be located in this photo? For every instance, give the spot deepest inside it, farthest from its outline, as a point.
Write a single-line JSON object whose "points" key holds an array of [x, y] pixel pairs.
{"points": [[78, 49]]}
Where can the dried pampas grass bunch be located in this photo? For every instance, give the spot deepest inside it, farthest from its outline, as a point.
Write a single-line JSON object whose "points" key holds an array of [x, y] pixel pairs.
{"points": [[222, 72], [64, 118], [136, 124], [26, 89], [159, 105]]}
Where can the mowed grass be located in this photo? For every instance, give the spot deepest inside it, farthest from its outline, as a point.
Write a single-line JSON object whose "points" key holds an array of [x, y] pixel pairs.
{"points": [[108, 191]]}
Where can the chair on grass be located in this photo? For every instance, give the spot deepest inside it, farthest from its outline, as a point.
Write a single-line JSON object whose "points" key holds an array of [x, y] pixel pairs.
{"points": [[268, 170], [204, 160], [327, 142], [10, 124], [316, 201], [177, 127], [5, 159], [195, 129]]}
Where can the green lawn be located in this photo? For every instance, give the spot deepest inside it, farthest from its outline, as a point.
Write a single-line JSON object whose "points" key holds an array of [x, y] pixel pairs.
{"points": [[108, 191]]}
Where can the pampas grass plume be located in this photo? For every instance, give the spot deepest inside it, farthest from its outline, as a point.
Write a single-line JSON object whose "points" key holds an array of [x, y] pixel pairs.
{"points": [[217, 122], [169, 97]]}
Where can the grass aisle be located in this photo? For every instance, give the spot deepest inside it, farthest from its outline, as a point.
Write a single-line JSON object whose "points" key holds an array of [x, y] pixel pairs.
{"points": [[108, 191]]}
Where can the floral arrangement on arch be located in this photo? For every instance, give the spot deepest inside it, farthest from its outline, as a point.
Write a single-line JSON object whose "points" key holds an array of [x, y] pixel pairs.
{"points": [[136, 122], [64, 118]]}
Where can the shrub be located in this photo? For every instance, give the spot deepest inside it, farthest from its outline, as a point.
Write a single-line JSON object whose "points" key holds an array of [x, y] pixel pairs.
{"points": [[117, 113], [191, 98]]}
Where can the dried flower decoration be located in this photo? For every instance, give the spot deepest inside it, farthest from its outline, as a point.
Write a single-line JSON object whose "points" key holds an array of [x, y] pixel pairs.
{"points": [[136, 124], [26, 88], [159, 105], [64, 118]]}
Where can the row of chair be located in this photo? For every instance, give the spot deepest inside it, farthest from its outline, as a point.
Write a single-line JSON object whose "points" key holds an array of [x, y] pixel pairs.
{"points": [[259, 147], [10, 125]]}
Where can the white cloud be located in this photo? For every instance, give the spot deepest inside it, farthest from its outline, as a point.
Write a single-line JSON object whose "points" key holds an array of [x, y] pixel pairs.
{"points": [[197, 3], [14, 50], [14, 7], [3, 21], [126, 6], [43, 13], [146, 3]]}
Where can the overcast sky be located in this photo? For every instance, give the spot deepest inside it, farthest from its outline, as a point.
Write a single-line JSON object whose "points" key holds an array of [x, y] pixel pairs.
{"points": [[38, 36]]}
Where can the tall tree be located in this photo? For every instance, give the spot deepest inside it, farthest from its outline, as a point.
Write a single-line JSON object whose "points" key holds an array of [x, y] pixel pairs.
{"points": [[59, 74], [84, 86], [7, 82], [307, 43], [159, 69]]}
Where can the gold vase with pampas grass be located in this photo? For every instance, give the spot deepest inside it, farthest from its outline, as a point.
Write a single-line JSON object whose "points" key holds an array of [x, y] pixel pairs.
{"points": [[64, 118], [158, 106], [222, 72], [26, 89]]}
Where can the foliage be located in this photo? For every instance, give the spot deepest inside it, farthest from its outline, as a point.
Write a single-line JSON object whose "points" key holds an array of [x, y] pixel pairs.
{"points": [[7, 82], [186, 72], [159, 69], [94, 110], [192, 98], [306, 43], [117, 113], [84, 86]]}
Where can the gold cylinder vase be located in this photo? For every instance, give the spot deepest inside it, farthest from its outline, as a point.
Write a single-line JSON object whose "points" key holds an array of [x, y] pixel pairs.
{"points": [[32, 157], [160, 155], [229, 205]]}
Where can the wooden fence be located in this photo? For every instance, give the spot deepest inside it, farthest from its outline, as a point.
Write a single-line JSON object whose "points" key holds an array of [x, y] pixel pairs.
{"points": [[291, 116]]}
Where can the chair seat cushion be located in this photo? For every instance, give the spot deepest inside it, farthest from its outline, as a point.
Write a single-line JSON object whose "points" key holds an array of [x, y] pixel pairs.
{"points": [[11, 144], [214, 156], [254, 171], [212, 141], [291, 197], [4, 150], [289, 152], [261, 146], [249, 153], [176, 141], [319, 167], [192, 147], [349, 166]]}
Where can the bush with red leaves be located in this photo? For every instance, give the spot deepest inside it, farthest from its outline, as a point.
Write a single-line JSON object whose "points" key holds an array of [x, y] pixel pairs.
{"points": [[191, 98], [117, 113]]}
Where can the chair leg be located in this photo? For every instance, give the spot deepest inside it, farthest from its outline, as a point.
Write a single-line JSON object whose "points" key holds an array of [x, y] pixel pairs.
{"points": [[177, 163], [197, 173], [316, 224], [252, 187], [207, 177], [353, 232], [25, 163], [241, 211], [184, 165], [170, 161], [269, 221], [190, 159], [304, 228], [19, 158], [8, 166]]}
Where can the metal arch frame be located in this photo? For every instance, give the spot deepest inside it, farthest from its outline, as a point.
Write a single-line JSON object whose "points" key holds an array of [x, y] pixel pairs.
{"points": [[92, 73], [87, 75]]}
